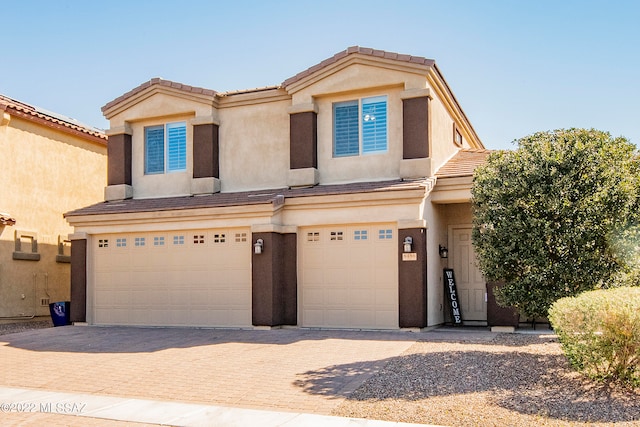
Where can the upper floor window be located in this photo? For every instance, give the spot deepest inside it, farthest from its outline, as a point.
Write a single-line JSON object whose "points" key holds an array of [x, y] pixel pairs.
{"points": [[360, 126], [165, 148], [457, 136]]}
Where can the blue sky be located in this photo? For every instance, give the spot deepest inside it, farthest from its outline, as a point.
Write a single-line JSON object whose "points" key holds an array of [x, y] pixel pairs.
{"points": [[516, 67]]}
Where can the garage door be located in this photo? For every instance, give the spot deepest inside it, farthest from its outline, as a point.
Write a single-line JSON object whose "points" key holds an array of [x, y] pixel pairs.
{"points": [[349, 277], [196, 278]]}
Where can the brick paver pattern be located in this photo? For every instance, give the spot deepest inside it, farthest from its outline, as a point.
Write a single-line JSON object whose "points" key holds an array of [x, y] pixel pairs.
{"points": [[284, 369]]}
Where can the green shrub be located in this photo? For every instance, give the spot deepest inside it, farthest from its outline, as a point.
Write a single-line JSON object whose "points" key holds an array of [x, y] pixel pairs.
{"points": [[600, 333]]}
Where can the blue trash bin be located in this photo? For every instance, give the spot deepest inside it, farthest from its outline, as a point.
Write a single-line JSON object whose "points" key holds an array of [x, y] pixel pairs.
{"points": [[60, 313]]}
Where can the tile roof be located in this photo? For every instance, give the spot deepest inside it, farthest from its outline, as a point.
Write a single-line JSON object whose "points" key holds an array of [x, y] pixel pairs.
{"points": [[162, 82], [50, 119], [6, 219], [335, 58], [463, 163], [362, 51], [275, 196]]}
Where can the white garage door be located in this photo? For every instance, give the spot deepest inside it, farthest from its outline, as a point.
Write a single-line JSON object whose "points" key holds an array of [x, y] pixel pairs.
{"points": [[349, 277], [195, 278]]}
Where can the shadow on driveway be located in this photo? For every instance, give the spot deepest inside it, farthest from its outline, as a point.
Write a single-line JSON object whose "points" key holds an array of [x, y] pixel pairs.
{"points": [[96, 339]]}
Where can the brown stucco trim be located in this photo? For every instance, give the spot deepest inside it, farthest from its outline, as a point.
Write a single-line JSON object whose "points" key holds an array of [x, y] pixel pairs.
{"points": [[119, 159], [274, 280], [78, 309], [303, 140], [412, 280], [415, 128], [206, 155]]}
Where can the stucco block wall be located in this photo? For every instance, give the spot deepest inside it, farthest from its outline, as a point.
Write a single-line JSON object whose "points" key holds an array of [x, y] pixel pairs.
{"points": [[44, 173]]}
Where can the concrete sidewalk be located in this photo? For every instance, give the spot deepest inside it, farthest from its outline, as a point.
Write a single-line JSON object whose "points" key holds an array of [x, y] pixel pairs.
{"points": [[17, 405]]}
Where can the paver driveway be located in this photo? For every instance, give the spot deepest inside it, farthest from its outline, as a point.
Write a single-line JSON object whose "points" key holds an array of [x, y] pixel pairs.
{"points": [[283, 369]]}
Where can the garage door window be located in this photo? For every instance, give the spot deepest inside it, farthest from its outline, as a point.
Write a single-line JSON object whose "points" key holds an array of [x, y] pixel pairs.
{"points": [[178, 240], [158, 241], [121, 243], [139, 241], [385, 234], [360, 235]]}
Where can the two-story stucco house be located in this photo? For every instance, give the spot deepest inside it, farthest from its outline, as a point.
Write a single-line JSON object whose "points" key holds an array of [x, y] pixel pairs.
{"points": [[49, 164], [321, 202]]}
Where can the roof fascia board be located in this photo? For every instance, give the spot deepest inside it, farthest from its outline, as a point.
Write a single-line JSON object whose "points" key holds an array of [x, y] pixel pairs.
{"points": [[372, 198], [155, 89], [174, 215], [356, 59], [452, 190]]}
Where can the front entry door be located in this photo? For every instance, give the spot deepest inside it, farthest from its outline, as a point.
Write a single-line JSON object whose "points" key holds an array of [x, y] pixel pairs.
{"points": [[470, 282]]}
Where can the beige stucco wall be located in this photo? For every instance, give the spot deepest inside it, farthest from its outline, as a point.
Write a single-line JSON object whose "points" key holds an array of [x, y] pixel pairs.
{"points": [[442, 145], [254, 146], [366, 167], [44, 173], [164, 184]]}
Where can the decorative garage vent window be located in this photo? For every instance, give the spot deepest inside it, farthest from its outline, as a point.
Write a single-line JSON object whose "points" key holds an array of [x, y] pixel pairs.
{"points": [[103, 243], [139, 241], [121, 243], [178, 240], [337, 235], [360, 127], [313, 236], [198, 239], [165, 148], [158, 241], [385, 234], [360, 235], [219, 238], [241, 237]]}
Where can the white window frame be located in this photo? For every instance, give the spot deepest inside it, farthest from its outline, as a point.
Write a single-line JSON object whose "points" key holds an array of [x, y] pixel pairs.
{"points": [[169, 154], [363, 116]]}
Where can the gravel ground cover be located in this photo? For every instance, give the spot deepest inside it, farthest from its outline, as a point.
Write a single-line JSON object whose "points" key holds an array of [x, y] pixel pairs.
{"points": [[510, 380], [14, 326]]}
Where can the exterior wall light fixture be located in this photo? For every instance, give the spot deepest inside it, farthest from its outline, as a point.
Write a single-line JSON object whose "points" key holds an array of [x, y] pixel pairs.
{"points": [[257, 246], [407, 243], [444, 252]]}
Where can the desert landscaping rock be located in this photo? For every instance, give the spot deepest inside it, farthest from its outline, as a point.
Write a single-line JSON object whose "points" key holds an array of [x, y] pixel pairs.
{"points": [[514, 380]]}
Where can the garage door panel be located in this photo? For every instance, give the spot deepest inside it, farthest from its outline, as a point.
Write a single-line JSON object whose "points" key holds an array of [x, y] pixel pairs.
{"points": [[335, 318], [361, 276], [337, 256], [383, 317], [200, 277], [336, 277], [336, 297], [313, 297], [313, 276], [362, 318], [349, 276], [362, 298]]}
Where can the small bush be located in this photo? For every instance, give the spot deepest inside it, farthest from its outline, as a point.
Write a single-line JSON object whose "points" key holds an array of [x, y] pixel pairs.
{"points": [[600, 333]]}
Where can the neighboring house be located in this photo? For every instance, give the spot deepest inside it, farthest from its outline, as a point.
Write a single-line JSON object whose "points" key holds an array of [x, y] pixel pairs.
{"points": [[49, 165], [284, 205]]}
